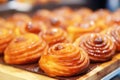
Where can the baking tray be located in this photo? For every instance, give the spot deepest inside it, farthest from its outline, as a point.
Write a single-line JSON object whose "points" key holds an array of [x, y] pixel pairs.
{"points": [[32, 72]]}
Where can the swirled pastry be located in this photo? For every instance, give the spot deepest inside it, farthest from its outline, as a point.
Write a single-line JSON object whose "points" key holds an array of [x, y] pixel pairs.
{"points": [[55, 35], [102, 13], [99, 47], [42, 15], [35, 27], [58, 21], [1, 21], [84, 12], [24, 49], [99, 18], [99, 23], [114, 20], [80, 29], [114, 33], [20, 20], [64, 59], [5, 37], [5, 24], [116, 17], [63, 11], [50, 19]]}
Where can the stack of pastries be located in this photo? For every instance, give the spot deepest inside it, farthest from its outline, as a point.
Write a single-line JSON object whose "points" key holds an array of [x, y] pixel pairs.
{"points": [[63, 41]]}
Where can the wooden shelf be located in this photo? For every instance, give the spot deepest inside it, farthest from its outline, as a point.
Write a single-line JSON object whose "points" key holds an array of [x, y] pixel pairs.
{"points": [[12, 73]]}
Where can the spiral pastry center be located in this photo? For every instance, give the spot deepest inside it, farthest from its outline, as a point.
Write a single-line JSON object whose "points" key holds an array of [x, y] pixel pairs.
{"points": [[98, 40], [54, 21], [52, 32], [59, 47], [20, 39]]}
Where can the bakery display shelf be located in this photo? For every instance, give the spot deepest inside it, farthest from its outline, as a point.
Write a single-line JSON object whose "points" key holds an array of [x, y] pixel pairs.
{"points": [[32, 72]]}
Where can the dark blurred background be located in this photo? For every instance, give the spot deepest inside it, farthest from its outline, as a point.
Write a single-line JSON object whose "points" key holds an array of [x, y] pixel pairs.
{"points": [[8, 7]]}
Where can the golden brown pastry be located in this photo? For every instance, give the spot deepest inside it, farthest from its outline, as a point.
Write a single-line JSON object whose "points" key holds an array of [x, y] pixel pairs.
{"points": [[55, 35], [99, 23], [42, 15], [64, 59], [63, 11], [113, 20], [74, 19], [80, 29], [35, 27], [63, 15], [102, 13], [6, 36], [2, 21], [78, 16], [24, 49], [50, 19], [99, 47], [58, 22], [99, 18], [114, 33], [7, 25], [11, 26], [84, 12], [20, 20]]}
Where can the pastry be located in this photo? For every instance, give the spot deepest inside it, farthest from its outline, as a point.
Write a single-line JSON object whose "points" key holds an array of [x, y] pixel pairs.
{"points": [[42, 15], [6, 36], [64, 59], [84, 12], [63, 11], [114, 33], [20, 20], [102, 13], [1, 20], [99, 23], [113, 20], [7, 25], [25, 49], [116, 17], [50, 19], [99, 47], [58, 22], [35, 27], [55, 35], [99, 18], [79, 29]]}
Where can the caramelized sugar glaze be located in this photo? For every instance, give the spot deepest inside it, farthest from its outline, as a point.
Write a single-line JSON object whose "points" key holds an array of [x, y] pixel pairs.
{"points": [[55, 35], [114, 33], [6, 36], [62, 40], [25, 49], [64, 59], [99, 47]]}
